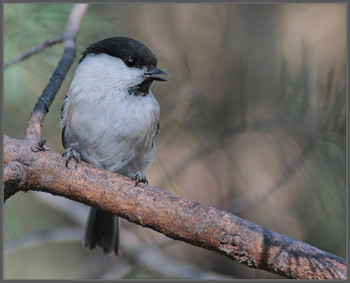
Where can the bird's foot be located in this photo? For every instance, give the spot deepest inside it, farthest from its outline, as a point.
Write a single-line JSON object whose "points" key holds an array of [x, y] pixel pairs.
{"points": [[71, 153], [140, 178]]}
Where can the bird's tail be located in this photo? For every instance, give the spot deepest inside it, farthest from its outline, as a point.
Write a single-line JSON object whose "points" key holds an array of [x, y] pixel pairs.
{"points": [[102, 229]]}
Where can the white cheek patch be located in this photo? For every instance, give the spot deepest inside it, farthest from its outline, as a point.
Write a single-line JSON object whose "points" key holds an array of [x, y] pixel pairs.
{"points": [[107, 72]]}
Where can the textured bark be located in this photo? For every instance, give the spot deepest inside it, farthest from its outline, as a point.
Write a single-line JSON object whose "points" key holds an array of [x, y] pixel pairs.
{"points": [[32, 167], [42, 106]]}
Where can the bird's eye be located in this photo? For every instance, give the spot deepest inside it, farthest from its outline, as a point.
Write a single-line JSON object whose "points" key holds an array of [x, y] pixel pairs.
{"points": [[130, 62]]}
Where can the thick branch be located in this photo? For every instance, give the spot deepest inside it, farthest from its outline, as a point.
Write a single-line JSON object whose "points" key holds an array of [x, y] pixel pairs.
{"points": [[42, 106], [174, 216]]}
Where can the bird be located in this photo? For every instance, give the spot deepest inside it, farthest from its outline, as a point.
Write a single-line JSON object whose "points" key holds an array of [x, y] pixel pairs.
{"points": [[110, 118]]}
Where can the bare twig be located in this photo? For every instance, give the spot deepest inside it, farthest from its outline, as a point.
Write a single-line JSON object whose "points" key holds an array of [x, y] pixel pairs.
{"points": [[174, 216], [133, 250], [42, 106], [47, 43], [157, 261], [62, 234]]}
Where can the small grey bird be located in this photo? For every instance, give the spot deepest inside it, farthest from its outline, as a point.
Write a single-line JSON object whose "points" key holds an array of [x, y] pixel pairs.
{"points": [[110, 118]]}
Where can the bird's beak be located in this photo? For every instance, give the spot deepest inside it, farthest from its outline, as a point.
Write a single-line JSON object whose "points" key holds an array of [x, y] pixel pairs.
{"points": [[154, 75]]}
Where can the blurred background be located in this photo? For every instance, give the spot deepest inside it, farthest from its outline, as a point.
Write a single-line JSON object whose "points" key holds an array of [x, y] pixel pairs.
{"points": [[252, 122]]}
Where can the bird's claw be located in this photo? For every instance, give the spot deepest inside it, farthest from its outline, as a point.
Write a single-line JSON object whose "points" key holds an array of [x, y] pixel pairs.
{"points": [[71, 153], [140, 178]]}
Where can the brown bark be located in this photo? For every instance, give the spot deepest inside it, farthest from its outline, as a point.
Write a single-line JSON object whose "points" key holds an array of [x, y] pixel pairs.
{"points": [[42, 106], [27, 168]]}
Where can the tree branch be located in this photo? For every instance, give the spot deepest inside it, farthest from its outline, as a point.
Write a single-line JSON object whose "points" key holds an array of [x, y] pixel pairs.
{"points": [[29, 165], [134, 246], [174, 216], [47, 43], [56, 235], [42, 106], [149, 257]]}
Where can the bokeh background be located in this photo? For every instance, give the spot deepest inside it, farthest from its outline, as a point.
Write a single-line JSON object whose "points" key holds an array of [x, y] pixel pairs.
{"points": [[252, 122]]}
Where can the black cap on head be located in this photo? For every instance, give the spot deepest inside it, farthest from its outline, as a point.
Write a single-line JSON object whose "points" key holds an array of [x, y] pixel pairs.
{"points": [[131, 51]]}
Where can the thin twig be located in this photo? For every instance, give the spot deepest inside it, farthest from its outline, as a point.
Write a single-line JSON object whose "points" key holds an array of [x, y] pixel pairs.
{"points": [[34, 50], [57, 235], [154, 259], [42, 106], [132, 247]]}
